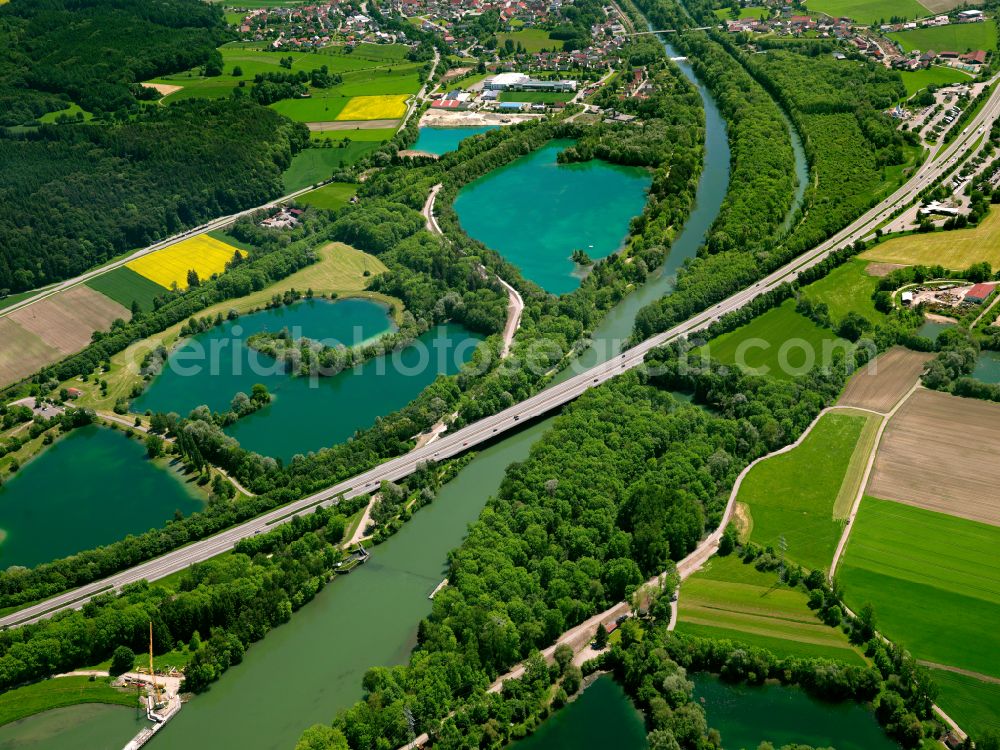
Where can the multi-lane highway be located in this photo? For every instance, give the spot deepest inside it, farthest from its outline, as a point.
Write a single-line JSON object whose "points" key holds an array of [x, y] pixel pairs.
{"points": [[538, 405]]}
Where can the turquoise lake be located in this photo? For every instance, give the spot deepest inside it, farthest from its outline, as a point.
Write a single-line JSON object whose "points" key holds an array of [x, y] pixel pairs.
{"points": [[92, 487], [536, 212], [442, 140], [747, 715], [305, 414]]}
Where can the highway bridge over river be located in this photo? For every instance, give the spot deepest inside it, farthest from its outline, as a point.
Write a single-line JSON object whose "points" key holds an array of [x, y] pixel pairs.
{"points": [[555, 396]]}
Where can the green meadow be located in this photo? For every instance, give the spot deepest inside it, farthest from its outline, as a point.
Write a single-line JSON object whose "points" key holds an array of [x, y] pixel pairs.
{"points": [[933, 579], [732, 600], [753, 11], [870, 11], [847, 288], [956, 37], [974, 704], [532, 40], [314, 165], [780, 343], [333, 196], [936, 75], [370, 69], [794, 494], [545, 97]]}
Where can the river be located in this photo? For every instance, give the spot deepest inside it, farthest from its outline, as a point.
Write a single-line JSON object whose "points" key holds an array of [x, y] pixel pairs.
{"points": [[305, 413], [83, 492]]}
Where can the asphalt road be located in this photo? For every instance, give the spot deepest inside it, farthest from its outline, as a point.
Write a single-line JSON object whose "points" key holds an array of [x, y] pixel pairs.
{"points": [[491, 427]]}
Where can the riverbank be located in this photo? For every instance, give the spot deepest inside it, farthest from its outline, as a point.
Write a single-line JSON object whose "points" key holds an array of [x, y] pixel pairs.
{"points": [[22, 702]]}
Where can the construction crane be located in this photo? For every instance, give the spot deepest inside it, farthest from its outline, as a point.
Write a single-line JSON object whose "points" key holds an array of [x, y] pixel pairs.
{"points": [[152, 674]]}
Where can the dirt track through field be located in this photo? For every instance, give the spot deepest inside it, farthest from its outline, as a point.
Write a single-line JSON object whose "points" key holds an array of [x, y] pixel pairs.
{"points": [[65, 321], [879, 386], [939, 453]]}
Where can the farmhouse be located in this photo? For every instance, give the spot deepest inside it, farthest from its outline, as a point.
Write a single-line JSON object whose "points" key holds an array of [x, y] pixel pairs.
{"points": [[978, 293], [975, 58]]}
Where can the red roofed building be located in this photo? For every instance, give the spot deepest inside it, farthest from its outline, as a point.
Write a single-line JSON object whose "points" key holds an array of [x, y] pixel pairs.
{"points": [[979, 293], [975, 58]]}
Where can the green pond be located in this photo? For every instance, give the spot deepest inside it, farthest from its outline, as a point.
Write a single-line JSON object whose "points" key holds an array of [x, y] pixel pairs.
{"points": [[91, 726], [306, 413], [304, 672], [931, 329], [987, 367], [748, 715], [442, 140], [536, 212], [602, 717], [92, 487]]}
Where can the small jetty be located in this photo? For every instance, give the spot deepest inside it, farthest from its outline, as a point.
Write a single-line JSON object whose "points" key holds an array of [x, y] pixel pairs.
{"points": [[358, 557], [438, 588]]}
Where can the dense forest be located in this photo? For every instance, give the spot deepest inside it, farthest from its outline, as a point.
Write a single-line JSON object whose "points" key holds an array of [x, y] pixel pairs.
{"points": [[93, 52], [75, 196]]}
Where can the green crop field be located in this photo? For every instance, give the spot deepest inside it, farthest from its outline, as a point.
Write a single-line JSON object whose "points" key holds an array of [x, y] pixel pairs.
{"points": [[732, 600], [753, 11], [937, 75], [974, 704], [125, 286], [355, 134], [384, 66], [780, 343], [794, 494], [532, 40], [316, 164], [333, 196], [933, 579], [847, 288], [324, 105], [956, 37], [545, 97], [869, 11], [62, 691]]}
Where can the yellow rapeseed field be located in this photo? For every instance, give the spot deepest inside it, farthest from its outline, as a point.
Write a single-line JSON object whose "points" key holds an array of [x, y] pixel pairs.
{"points": [[206, 255], [374, 107]]}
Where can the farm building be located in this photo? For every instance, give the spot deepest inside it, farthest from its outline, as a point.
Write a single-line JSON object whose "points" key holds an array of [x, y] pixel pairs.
{"points": [[978, 293]]}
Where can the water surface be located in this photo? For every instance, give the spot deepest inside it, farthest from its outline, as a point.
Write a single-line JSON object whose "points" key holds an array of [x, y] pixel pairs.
{"points": [[601, 718], [442, 140], [92, 487], [305, 414], [748, 715], [90, 726], [303, 672], [987, 367], [536, 212]]}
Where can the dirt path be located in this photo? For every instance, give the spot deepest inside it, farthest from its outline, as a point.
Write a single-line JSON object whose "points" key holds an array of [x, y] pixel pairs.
{"points": [[842, 544], [515, 304], [359, 533], [958, 670]]}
